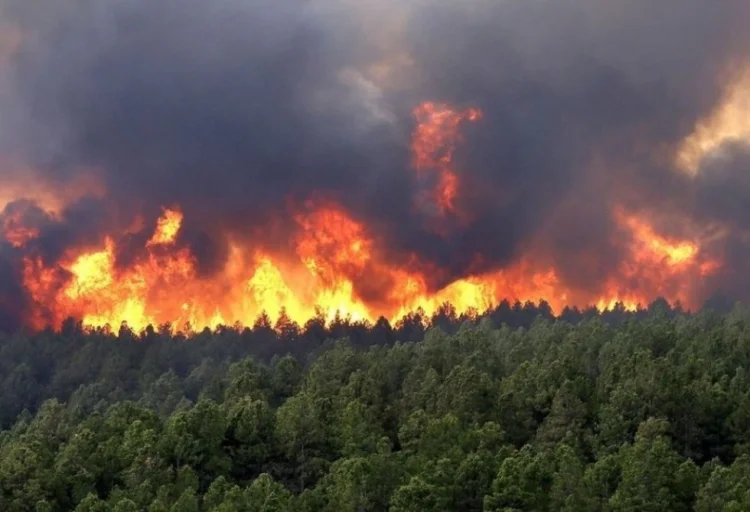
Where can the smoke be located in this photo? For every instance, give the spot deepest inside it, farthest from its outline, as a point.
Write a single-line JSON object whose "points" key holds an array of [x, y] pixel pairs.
{"points": [[236, 109]]}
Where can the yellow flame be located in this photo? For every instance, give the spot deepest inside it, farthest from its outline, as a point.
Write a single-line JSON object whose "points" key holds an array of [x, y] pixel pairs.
{"points": [[167, 227]]}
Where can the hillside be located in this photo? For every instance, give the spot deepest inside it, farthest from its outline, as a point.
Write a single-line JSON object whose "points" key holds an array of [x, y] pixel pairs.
{"points": [[646, 411]]}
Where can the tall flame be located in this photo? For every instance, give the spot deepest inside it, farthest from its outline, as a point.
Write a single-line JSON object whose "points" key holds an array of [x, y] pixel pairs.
{"points": [[433, 145], [333, 252], [334, 259], [167, 228]]}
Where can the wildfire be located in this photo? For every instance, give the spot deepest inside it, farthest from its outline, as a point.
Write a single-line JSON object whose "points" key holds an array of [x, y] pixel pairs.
{"points": [[651, 247], [167, 228], [433, 145], [334, 252], [657, 266], [332, 266], [23, 183], [330, 243]]}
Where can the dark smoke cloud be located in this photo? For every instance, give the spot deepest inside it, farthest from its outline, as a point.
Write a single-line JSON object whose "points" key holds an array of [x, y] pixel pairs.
{"points": [[14, 299], [232, 109], [561, 83], [721, 200]]}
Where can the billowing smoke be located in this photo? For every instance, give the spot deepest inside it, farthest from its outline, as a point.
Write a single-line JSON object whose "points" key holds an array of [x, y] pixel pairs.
{"points": [[235, 110]]}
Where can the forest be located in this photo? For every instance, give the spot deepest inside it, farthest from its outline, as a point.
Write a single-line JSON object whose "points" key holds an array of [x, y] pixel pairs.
{"points": [[515, 409]]}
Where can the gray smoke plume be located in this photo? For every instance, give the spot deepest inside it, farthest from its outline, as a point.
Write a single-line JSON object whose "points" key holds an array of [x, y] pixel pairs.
{"points": [[235, 109]]}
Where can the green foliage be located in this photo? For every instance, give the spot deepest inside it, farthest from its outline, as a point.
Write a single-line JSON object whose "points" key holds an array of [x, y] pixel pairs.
{"points": [[617, 412]]}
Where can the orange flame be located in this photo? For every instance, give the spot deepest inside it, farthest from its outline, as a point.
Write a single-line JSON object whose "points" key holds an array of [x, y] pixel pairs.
{"points": [[330, 243], [335, 265], [24, 183], [334, 252], [657, 266], [167, 228], [433, 145]]}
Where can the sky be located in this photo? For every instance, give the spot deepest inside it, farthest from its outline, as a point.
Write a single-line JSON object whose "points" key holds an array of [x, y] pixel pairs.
{"points": [[235, 109]]}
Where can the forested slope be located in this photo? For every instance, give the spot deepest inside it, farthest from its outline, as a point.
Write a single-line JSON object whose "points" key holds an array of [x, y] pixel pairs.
{"points": [[621, 412]]}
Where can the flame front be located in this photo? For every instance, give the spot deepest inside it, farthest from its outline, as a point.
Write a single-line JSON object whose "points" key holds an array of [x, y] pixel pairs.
{"points": [[333, 265], [165, 288]]}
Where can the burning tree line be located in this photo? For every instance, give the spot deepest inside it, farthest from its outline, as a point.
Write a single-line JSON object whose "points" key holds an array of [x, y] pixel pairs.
{"points": [[389, 164], [330, 264]]}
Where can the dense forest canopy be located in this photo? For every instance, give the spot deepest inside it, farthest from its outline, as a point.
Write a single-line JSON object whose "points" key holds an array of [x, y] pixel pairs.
{"points": [[512, 410]]}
